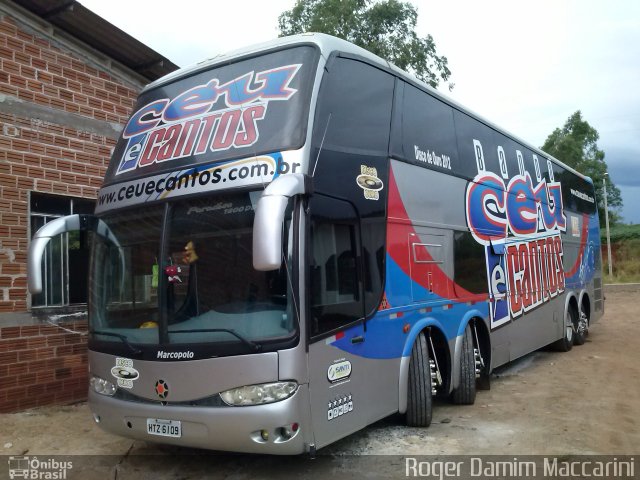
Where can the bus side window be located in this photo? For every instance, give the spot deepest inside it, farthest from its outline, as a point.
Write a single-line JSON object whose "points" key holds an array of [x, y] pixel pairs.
{"points": [[469, 265], [335, 280]]}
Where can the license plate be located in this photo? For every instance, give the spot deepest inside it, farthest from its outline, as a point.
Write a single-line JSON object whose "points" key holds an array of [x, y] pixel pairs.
{"points": [[164, 428]]}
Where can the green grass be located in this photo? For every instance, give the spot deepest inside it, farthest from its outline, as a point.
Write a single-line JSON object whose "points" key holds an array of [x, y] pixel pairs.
{"points": [[626, 260], [620, 233]]}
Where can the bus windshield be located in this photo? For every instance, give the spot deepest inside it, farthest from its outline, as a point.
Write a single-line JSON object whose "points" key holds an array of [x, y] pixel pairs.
{"points": [[182, 274]]}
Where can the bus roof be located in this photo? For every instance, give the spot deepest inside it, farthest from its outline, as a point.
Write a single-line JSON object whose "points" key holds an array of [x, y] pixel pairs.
{"points": [[327, 44]]}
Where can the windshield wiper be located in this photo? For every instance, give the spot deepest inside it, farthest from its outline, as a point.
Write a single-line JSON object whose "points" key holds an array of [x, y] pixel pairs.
{"points": [[254, 346], [133, 349]]}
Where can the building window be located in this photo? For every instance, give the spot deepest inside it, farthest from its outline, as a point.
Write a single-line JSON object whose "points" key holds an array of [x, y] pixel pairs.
{"points": [[65, 264]]}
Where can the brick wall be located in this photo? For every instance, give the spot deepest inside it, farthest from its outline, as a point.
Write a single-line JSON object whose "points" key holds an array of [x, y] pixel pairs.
{"points": [[42, 364], [62, 149], [34, 70], [42, 157]]}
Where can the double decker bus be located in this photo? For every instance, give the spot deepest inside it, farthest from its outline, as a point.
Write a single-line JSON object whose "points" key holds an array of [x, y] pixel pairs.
{"points": [[298, 239]]}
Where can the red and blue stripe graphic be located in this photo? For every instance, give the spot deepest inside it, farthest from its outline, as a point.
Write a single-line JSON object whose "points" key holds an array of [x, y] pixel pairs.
{"points": [[447, 305]]}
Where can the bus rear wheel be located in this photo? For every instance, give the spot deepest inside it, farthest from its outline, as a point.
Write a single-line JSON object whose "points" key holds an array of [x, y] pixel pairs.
{"points": [[566, 342], [465, 393], [419, 397]]}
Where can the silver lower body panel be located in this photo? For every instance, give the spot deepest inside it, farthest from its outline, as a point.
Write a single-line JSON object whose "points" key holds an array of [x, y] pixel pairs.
{"points": [[235, 429]]}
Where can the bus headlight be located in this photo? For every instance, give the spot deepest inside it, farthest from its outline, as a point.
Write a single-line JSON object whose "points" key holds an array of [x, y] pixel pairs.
{"points": [[259, 394], [102, 386]]}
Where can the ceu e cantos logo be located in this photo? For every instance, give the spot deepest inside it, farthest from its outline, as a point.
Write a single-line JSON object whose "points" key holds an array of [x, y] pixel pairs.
{"points": [[519, 222], [209, 117], [38, 468]]}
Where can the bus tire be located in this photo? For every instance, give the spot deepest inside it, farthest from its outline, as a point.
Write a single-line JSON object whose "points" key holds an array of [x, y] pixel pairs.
{"points": [[566, 342], [581, 327], [465, 394], [419, 398]]}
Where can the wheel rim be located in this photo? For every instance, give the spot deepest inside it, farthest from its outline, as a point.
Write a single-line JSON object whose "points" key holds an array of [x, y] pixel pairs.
{"points": [[568, 327], [583, 323]]}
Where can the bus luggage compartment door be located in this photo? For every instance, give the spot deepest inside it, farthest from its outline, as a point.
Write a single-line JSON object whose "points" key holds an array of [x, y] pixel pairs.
{"points": [[431, 263]]}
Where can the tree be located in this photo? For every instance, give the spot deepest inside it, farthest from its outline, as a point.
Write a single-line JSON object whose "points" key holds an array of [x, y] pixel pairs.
{"points": [[386, 28], [575, 144]]}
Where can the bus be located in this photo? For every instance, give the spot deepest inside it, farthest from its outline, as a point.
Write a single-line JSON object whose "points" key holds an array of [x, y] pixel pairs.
{"points": [[298, 239]]}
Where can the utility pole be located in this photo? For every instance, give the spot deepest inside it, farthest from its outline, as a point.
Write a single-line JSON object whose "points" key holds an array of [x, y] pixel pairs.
{"points": [[606, 221]]}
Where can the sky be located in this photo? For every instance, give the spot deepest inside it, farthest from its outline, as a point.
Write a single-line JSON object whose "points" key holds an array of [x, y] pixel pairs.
{"points": [[525, 65]]}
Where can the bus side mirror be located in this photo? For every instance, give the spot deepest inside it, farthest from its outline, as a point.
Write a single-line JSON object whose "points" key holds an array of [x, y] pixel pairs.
{"points": [[39, 242], [269, 218], [59, 226]]}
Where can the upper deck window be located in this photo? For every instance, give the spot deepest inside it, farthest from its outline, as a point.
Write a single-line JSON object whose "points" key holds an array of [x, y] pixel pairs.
{"points": [[354, 109]]}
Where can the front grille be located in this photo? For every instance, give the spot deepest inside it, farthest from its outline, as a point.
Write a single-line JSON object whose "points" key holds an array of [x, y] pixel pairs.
{"points": [[212, 401]]}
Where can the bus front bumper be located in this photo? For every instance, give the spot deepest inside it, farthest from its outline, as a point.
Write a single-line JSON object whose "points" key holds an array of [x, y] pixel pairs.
{"points": [[235, 429]]}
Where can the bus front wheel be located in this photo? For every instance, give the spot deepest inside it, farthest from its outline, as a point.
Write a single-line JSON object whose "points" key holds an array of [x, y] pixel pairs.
{"points": [[419, 397]]}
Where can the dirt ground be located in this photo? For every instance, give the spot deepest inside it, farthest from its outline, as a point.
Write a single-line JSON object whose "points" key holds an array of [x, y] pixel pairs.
{"points": [[586, 401]]}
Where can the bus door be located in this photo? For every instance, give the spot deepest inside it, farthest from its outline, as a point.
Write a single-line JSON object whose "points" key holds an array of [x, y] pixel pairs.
{"points": [[337, 368]]}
